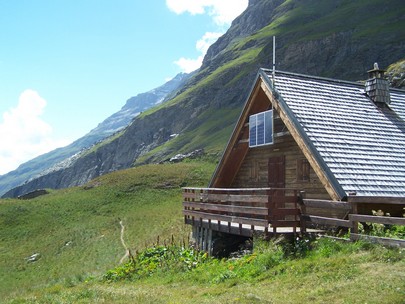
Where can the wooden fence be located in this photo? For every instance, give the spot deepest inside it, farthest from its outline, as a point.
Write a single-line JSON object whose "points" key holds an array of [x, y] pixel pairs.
{"points": [[351, 222], [241, 211], [246, 211]]}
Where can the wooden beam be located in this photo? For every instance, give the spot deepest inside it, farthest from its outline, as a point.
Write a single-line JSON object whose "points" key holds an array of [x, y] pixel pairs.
{"points": [[227, 208], [377, 219], [327, 204], [376, 200], [326, 220], [233, 198]]}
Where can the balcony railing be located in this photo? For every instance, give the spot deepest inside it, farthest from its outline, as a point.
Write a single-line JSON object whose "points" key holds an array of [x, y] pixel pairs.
{"points": [[242, 211]]}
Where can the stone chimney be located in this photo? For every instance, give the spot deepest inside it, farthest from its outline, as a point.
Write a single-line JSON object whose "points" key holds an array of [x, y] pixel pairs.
{"points": [[377, 88]]}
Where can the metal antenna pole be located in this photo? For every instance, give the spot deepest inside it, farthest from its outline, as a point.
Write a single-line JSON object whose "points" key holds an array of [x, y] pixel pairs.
{"points": [[274, 59]]}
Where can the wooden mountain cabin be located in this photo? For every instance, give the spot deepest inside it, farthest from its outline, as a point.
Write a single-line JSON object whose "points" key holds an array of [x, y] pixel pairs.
{"points": [[305, 151]]}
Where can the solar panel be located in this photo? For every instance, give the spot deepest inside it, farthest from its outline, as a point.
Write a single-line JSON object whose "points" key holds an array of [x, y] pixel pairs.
{"points": [[261, 129]]}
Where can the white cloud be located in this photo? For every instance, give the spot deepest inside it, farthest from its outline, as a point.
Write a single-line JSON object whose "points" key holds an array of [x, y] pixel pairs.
{"points": [[205, 42], [23, 134], [223, 12], [188, 65]]}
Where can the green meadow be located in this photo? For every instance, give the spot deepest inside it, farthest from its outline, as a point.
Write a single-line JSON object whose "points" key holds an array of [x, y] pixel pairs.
{"points": [[76, 234]]}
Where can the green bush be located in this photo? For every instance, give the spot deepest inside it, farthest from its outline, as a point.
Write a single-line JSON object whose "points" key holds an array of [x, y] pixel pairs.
{"points": [[157, 259]]}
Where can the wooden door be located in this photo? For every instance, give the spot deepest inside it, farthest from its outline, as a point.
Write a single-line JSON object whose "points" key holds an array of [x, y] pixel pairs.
{"points": [[276, 172]]}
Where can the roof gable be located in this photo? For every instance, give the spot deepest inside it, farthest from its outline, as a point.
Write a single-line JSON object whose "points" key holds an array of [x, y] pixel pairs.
{"points": [[361, 145], [357, 146]]}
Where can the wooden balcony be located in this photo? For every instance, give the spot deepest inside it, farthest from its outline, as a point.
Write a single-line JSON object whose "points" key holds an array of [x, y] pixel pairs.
{"points": [[244, 212]]}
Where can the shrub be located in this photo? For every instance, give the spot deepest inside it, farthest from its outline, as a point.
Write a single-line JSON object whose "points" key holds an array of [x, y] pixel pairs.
{"points": [[162, 259]]}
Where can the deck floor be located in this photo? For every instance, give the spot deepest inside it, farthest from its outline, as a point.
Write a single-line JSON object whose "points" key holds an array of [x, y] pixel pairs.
{"points": [[246, 230]]}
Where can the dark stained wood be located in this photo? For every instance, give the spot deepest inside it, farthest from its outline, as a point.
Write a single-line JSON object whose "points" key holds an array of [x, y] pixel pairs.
{"points": [[286, 224], [378, 219], [286, 211], [276, 172], [231, 167]]}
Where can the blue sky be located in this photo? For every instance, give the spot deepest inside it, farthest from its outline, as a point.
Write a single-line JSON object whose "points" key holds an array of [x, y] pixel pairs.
{"points": [[66, 65]]}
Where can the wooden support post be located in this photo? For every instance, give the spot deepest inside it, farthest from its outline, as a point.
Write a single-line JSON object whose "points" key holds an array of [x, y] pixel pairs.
{"points": [[209, 245], [197, 236], [355, 224], [269, 207], [201, 238], [205, 239]]}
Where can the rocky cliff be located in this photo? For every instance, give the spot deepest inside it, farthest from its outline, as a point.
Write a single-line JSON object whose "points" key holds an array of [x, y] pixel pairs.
{"points": [[331, 38]]}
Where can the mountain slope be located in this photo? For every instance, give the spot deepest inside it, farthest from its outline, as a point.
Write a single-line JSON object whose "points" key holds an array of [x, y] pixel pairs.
{"points": [[76, 231], [331, 38], [59, 158]]}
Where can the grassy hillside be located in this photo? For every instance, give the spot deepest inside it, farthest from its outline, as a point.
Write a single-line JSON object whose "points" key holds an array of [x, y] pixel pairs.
{"points": [[320, 271], [77, 232]]}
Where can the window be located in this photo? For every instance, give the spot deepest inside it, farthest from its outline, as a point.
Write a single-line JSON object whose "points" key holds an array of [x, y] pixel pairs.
{"points": [[261, 129]]}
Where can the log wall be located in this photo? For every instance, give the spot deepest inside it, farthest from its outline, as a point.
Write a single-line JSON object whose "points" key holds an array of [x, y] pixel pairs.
{"points": [[254, 170]]}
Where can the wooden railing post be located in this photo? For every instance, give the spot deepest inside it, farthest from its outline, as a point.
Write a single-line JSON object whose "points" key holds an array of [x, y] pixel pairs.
{"points": [[272, 209], [193, 199], [295, 215], [355, 224], [303, 211]]}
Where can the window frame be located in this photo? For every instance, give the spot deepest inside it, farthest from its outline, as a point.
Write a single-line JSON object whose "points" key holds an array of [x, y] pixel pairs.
{"points": [[259, 129]]}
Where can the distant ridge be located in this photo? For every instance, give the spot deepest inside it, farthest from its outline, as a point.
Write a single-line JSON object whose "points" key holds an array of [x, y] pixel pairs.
{"points": [[62, 157]]}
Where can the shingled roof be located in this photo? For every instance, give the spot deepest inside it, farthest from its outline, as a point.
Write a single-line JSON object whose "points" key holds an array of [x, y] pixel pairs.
{"points": [[359, 144]]}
